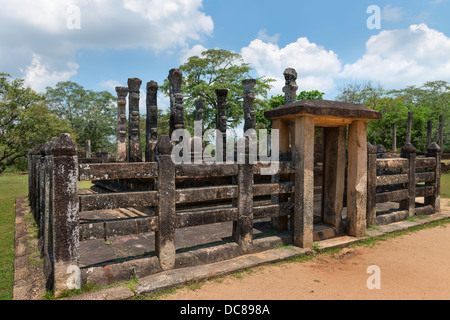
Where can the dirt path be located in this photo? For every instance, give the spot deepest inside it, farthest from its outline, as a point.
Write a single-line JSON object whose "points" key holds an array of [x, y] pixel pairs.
{"points": [[413, 266]]}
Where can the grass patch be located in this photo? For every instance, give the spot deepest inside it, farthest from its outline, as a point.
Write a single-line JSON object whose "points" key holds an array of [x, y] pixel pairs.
{"points": [[11, 186], [445, 185]]}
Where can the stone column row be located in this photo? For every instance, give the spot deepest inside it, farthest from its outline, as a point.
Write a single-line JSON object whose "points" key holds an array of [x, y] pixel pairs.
{"points": [[53, 196]]}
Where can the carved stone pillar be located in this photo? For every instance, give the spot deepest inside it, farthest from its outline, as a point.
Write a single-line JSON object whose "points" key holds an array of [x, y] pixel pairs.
{"points": [[134, 150], [122, 93]]}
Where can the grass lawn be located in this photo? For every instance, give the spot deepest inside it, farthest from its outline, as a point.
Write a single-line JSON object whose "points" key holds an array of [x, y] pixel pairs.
{"points": [[445, 185], [11, 186]]}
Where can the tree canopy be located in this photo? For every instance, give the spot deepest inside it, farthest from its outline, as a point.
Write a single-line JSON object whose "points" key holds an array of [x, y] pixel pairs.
{"points": [[25, 121], [217, 69], [92, 115], [427, 102]]}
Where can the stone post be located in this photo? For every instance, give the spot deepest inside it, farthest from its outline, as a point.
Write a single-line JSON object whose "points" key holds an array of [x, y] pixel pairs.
{"points": [[88, 150], [105, 156], [281, 223], [409, 127], [222, 120], [134, 148], [197, 145], [371, 185], [151, 127], [122, 93], [165, 236], [249, 104], [243, 227], [394, 137], [409, 152], [176, 100], [357, 179], [304, 182], [333, 185], [435, 200], [199, 109], [429, 130], [290, 90], [441, 133], [65, 206]]}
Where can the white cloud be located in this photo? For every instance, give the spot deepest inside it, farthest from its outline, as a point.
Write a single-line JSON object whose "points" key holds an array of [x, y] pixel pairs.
{"points": [[316, 66], [196, 50], [403, 57], [262, 35], [39, 27], [38, 76]]}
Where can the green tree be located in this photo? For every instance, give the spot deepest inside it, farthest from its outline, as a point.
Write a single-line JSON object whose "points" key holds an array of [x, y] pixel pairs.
{"points": [[217, 69], [25, 121], [278, 101], [92, 115]]}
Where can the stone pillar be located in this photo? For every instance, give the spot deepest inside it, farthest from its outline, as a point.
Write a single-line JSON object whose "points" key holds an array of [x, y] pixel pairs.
{"points": [[105, 156], [165, 236], [88, 149], [281, 223], [65, 207], [435, 200], [290, 90], [243, 227], [441, 133], [176, 100], [151, 121], [394, 137], [199, 109], [429, 129], [122, 93], [409, 152], [371, 185], [197, 145], [357, 179], [304, 182], [134, 147], [221, 119], [249, 104], [333, 186], [409, 127]]}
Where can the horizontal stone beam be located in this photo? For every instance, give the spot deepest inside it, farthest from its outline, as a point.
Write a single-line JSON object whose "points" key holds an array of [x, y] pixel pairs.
{"points": [[425, 162], [392, 196], [273, 188], [392, 163], [205, 170], [425, 177], [274, 210], [424, 191], [120, 227], [198, 218], [105, 201], [205, 194], [113, 171], [392, 179]]}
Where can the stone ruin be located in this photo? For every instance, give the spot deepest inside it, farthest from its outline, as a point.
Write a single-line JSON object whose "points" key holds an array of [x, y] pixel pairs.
{"points": [[316, 193]]}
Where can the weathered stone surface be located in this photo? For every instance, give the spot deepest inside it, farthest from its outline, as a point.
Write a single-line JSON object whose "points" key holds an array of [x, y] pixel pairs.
{"points": [[134, 135], [165, 236], [304, 182], [290, 90], [324, 108], [113, 171], [249, 100], [357, 179], [122, 93], [176, 100]]}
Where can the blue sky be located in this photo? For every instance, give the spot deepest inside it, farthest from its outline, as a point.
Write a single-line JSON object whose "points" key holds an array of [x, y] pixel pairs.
{"points": [[328, 42]]}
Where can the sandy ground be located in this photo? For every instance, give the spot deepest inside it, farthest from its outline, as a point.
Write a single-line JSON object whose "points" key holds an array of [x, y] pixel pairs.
{"points": [[413, 266]]}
